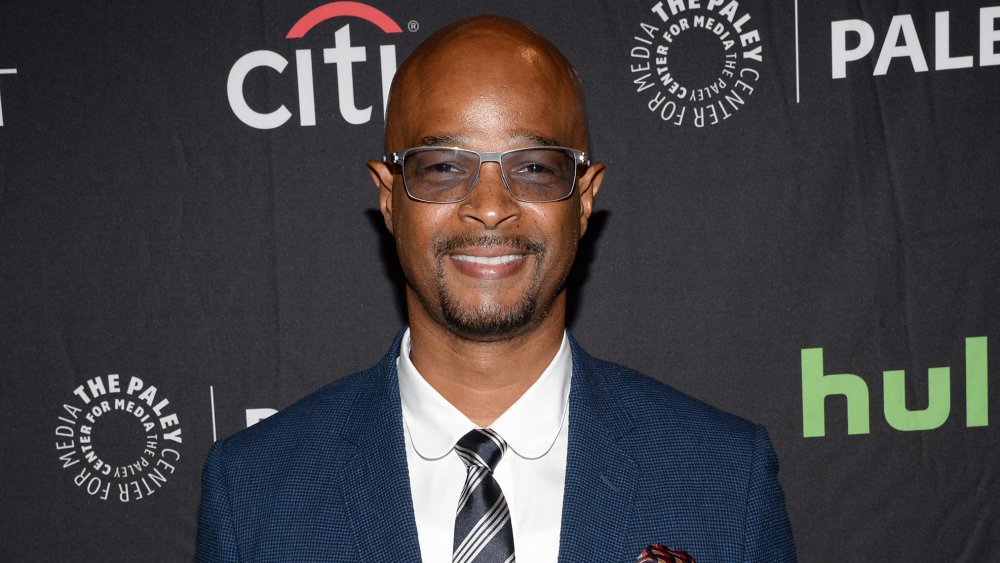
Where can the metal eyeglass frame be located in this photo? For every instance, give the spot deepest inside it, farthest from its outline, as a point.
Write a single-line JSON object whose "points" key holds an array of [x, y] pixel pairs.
{"points": [[397, 158]]}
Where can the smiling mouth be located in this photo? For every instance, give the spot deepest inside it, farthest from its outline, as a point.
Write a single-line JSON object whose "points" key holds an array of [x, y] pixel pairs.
{"points": [[488, 260]]}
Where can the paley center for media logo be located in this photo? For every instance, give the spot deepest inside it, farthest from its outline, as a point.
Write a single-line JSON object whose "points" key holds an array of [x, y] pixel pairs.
{"points": [[5, 71], [119, 436], [695, 62], [343, 56]]}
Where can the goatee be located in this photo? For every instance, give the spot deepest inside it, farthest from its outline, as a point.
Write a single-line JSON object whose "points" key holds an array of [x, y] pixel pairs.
{"points": [[490, 321]]}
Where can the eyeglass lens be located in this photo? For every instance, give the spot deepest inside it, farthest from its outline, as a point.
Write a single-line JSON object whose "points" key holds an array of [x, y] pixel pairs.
{"points": [[447, 175]]}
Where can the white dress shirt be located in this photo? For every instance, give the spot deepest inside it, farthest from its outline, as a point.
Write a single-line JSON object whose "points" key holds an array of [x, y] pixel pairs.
{"points": [[531, 473]]}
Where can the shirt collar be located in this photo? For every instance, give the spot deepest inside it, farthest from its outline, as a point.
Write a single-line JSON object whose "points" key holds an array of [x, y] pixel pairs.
{"points": [[529, 426]]}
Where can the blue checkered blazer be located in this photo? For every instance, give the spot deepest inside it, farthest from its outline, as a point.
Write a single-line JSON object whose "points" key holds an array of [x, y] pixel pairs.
{"points": [[326, 480]]}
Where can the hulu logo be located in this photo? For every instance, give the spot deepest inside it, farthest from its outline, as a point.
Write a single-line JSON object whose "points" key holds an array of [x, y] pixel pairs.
{"points": [[817, 386]]}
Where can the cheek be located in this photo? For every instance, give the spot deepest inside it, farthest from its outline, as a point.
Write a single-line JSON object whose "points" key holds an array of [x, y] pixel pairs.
{"points": [[561, 225], [560, 228], [416, 227]]}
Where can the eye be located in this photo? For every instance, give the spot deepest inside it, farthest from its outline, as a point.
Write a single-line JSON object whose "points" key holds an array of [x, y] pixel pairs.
{"points": [[539, 165], [535, 172], [437, 165], [535, 168], [442, 168]]}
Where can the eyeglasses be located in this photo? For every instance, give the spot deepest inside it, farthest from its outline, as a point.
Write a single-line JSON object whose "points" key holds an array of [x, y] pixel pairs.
{"points": [[449, 174]]}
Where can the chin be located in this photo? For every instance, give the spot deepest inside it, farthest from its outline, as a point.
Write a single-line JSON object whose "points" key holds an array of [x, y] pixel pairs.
{"points": [[490, 322]]}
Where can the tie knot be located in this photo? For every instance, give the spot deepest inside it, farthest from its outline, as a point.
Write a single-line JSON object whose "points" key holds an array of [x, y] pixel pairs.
{"points": [[481, 447]]}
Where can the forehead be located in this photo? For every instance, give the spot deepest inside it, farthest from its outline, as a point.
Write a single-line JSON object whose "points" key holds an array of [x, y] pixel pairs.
{"points": [[490, 90]]}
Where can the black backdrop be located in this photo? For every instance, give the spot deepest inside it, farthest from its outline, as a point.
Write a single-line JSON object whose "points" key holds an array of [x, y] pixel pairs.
{"points": [[758, 244]]}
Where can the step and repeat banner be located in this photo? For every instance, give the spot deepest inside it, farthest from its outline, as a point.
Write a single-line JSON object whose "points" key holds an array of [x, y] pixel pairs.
{"points": [[800, 224]]}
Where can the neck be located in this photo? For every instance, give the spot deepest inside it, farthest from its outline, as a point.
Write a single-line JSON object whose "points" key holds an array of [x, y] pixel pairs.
{"points": [[483, 379]]}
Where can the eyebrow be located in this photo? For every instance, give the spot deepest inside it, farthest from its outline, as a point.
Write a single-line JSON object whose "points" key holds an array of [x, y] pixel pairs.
{"points": [[440, 141], [461, 140], [538, 140]]}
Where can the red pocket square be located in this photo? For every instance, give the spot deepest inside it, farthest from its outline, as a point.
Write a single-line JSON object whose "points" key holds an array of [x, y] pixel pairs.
{"points": [[657, 553]]}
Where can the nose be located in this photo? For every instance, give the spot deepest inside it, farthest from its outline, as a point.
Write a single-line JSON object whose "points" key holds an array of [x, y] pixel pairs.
{"points": [[490, 202]]}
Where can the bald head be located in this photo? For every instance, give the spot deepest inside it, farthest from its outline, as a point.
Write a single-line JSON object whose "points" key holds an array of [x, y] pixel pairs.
{"points": [[490, 266], [475, 62]]}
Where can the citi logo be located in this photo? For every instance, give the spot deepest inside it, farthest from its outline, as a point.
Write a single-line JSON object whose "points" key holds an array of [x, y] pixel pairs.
{"points": [[342, 55], [818, 385]]}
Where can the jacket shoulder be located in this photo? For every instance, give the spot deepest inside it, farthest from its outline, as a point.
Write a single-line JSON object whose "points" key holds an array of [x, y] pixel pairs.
{"points": [[704, 479], [323, 416], [654, 410], [276, 490]]}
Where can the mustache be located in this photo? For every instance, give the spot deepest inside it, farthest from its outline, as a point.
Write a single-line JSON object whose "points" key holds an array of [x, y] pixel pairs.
{"points": [[519, 243]]}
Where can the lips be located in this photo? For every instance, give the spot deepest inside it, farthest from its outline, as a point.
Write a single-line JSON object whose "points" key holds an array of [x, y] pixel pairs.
{"points": [[482, 267], [488, 260], [488, 257]]}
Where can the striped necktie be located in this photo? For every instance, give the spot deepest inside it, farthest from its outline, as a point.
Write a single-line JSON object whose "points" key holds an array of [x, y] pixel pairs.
{"points": [[483, 533]]}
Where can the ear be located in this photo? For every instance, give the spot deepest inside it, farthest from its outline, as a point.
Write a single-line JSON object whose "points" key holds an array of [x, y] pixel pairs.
{"points": [[383, 179], [588, 185]]}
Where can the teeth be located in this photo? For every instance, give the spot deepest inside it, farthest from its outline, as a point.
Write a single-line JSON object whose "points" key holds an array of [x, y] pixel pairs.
{"points": [[489, 260]]}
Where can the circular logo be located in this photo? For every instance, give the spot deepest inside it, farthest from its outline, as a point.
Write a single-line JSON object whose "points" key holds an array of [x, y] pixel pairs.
{"points": [[696, 62], [120, 439]]}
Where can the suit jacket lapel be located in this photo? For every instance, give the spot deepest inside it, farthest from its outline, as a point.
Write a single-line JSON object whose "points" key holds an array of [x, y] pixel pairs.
{"points": [[375, 482], [600, 476]]}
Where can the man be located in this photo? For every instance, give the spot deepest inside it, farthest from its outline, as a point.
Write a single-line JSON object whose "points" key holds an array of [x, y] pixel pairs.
{"points": [[487, 188]]}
